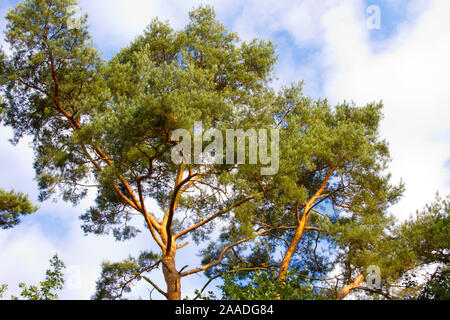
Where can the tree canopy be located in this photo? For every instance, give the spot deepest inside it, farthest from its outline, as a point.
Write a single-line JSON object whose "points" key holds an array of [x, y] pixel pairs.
{"points": [[13, 206]]}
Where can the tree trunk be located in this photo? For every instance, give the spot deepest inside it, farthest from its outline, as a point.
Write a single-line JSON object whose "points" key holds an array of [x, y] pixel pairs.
{"points": [[172, 278], [292, 247], [350, 287], [301, 228]]}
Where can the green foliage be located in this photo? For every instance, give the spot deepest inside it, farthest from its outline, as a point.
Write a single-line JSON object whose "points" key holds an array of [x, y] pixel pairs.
{"points": [[51, 66], [438, 286], [3, 288], [14, 205], [425, 237], [2, 104], [426, 233], [210, 295], [54, 281], [403, 251], [116, 278], [265, 286], [112, 273]]}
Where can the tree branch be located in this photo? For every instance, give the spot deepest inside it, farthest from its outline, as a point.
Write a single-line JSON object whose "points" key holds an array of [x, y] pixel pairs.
{"points": [[155, 286], [217, 214], [222, 254]]}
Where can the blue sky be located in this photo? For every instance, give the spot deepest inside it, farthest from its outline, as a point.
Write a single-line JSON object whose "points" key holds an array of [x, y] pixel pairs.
{"points": [[326, 43]]}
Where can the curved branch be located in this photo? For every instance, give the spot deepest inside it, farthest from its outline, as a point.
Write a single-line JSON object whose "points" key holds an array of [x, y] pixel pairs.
{"points": [[384, 294], [222, 254], [224, 273], [217, 214], [155, 286]]}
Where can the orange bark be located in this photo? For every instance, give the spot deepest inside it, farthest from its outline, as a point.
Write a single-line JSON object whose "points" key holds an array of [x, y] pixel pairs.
{"points": [[350, 287], [301, 228]]}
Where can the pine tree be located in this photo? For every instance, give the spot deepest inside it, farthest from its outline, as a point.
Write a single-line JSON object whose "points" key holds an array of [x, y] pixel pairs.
{"points": [[108, 124], [328, 205]]}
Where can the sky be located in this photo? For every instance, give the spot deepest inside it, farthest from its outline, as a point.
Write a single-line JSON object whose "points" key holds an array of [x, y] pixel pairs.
{"points": [[395, 51]]}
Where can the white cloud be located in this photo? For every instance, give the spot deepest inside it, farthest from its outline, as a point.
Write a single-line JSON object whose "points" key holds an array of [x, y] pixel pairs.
{"points": [[409, 72], [411, 77], [3, 12], [299, 18], [24, 257], [114, 23]]}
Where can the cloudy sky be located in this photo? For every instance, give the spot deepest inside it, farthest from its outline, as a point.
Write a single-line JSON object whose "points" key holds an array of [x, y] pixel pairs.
{"points": [[336, 46]]}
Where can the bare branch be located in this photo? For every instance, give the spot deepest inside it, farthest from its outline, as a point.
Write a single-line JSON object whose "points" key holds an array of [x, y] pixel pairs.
{"points": [[155, 286], [217, 214], [222, 254]]}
